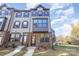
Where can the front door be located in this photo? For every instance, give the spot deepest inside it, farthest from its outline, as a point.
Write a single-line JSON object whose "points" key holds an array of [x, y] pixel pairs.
{"points": [[33, 40]]}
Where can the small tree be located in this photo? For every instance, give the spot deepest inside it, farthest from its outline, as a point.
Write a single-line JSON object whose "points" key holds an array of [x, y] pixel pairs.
{"points": [[75, 33]]}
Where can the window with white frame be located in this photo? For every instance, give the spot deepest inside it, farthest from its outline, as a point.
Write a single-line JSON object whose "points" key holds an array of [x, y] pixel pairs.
{"points": [[16, 24], [25, 24], [25, 14], [19, 14], [15, 36], [1, 22]]}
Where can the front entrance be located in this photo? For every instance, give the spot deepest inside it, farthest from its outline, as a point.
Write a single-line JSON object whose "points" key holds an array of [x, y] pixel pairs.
{"points": [[33, 40]]}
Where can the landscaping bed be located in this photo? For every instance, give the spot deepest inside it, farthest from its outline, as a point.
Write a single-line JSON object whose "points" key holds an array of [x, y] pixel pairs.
{"points": [[60, 51], [4, 51]]}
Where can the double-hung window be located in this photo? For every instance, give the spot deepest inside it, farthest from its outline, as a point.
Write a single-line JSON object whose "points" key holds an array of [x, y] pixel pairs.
{"points": [[15, 36], [19, 14], [25, 14]]}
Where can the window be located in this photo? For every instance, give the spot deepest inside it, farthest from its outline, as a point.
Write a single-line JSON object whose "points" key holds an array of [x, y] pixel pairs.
{"points": [[34, 13], [1, 40], [44, 39], [12, 35], [46, 13], [25, 14], [19, 14], [17, 24], [40, 13], [0, 12], [4, 12], [1, 22], [24, 24], [15, 36], [40, 22]]}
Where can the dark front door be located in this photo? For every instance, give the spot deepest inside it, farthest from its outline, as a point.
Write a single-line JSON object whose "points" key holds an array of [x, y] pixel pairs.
{"points": [[33, 40]]}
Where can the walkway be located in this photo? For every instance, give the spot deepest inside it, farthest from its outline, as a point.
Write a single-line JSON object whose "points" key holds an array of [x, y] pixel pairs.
{"points": [[70, 45], [18, 49], [63, 54], [30, 51]]}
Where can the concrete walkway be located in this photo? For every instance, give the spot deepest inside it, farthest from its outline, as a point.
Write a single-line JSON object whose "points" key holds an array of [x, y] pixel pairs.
{"points": [[18, 49], [70, 45], [30, 51], [63, 54]]}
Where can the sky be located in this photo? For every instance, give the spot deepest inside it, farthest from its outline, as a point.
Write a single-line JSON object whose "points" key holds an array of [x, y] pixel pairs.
{"points": [[62, 15]]}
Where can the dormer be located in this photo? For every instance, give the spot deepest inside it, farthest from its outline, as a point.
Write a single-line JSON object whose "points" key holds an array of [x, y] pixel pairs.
{"points": [[5, 10], [40, 11], [4, 6]]}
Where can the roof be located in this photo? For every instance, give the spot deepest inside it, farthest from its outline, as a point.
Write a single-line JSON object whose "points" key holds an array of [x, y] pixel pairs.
{"points": [[41, 7], [4, 5]]}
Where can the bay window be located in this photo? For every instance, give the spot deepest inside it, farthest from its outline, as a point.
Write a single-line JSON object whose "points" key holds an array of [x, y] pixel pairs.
{"points": [[40, 22]]}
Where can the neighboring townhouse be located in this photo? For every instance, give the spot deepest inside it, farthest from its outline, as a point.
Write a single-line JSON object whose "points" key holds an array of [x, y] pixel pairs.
{"points": [[27, 27]]}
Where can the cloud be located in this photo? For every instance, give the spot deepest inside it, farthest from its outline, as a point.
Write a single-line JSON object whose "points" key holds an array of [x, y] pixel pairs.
{"points": [[64, 30], [59, 5], [31, 5], [63, 19]]}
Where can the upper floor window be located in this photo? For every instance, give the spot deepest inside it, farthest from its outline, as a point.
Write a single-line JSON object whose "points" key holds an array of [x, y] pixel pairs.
{"points": [[40, 13], [25, 14], [0, 12], [19, 14], [1, 22], [16, 24], [40, 22], [4, 12], [34, 13], [24, 24], [46, 13]]}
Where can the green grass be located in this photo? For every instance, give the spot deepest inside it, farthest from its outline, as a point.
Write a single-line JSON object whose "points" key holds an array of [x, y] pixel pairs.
{"points": [[70, 51], [22, 52]]}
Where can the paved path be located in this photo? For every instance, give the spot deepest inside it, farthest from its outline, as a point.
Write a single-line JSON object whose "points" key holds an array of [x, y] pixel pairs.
{"points": [[30, 51], [70, 45], [18, 49], [63, 54]]}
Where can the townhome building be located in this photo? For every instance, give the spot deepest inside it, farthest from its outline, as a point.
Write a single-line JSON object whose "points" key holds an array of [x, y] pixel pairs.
{"points": [[26, 27]]}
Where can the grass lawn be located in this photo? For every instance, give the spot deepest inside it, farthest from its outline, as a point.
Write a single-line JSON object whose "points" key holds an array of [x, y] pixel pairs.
{"points": [[5, 51], [60, 51], [22, 52]]}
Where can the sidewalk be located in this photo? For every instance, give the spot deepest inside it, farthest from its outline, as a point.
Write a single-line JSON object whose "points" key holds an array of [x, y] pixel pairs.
{"points": [[18, 49], [70, 45], [30, 51]]}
